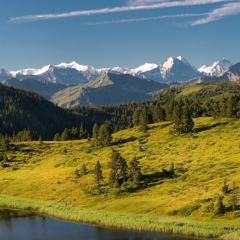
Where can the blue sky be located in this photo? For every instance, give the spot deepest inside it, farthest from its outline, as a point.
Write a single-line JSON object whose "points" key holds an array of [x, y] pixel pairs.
{"points": [[126, 33]]}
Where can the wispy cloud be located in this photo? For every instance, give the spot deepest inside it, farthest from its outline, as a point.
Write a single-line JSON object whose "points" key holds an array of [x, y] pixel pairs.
{"points": [[133, 5], [172, 2], [144, 19], [226, 10]]}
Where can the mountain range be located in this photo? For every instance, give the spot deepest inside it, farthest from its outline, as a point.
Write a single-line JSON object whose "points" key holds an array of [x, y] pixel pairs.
{"points": [[69, 84], [174, 69]]}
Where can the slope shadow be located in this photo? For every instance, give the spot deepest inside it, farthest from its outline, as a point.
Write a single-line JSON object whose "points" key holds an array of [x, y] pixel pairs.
{"points": [[157, 178], [122, 141], [205, 128]]}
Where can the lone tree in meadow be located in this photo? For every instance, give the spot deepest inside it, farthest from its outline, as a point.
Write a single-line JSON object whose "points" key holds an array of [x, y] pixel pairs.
{"points": [[118, 166], [98, 173]]}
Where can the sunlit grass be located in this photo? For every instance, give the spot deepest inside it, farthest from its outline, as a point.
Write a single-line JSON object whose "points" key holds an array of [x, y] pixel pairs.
{"points": [[202, 160]]}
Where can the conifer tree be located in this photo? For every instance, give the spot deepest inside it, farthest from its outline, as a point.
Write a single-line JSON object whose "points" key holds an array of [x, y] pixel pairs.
{"points": [[136, 116], [134, 171], [159, 113], [118, 167], [182, 117], [81, 131], [105, 134], [234, 197], [219, 207], [95, 133], [98, 173]]}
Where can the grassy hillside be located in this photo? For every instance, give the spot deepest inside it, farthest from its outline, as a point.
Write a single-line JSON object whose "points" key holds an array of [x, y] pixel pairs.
{"points": [[202, 162], [200, 92]]}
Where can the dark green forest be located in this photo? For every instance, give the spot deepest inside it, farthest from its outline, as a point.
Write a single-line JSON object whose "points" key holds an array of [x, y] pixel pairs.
{"points": [[25, 115]]}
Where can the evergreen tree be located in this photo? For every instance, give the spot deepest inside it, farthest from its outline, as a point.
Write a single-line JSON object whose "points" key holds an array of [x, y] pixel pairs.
{"points": [[144, 120], [118, 167], [136, 116], [219, 207], [182, 117], [225, 188], [159, 113], [170, 109], [66, 135], [81, 131], [134, 171], [105, 134], [234, 197], [57, 137], [232, 103], [5, 142], [98, 173], [95, 132]]}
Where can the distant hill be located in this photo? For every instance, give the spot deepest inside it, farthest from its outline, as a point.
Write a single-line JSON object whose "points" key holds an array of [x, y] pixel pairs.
{"points": [[44, 88], [109, 89], [22, 109], [200, 92]]}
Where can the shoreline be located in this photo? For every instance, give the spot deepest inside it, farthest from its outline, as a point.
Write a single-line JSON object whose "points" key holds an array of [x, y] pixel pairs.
{"points": [[141, 222]]}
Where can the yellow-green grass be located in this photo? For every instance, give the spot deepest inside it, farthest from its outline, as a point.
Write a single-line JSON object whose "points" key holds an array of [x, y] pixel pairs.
{"points": [[202, 161]]}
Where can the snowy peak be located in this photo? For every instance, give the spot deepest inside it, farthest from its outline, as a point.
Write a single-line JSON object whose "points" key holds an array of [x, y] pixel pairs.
{"points": [[216, 68], [30, 71], [4, 74], [178, 69], [146, 67]]}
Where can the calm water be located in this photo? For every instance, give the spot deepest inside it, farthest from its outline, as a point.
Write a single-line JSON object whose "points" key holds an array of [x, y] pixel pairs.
{"points": [[51, 229]]}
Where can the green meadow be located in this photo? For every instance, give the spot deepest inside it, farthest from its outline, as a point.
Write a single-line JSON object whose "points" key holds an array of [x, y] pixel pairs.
{"points": [[47, 177]]}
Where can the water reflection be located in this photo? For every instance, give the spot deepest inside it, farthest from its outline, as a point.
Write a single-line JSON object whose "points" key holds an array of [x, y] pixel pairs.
{"points": [[51, 229]]}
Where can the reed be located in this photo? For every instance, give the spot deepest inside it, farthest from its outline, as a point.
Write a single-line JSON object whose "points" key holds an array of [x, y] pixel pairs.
{"points": [[126, 221]]}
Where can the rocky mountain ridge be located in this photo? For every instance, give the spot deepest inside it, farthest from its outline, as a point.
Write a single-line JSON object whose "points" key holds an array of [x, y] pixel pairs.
{"points": [[174, 69]]}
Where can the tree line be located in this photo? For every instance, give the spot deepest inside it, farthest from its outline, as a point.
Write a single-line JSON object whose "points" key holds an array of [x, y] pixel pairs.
{"points": [[26, 116]]}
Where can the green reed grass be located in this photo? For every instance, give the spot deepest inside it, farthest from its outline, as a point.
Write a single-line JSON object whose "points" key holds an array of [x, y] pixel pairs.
{"points": [[127, 221]]}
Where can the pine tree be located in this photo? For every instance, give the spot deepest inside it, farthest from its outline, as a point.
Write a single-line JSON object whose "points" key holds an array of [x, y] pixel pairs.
{"points": [[105, 134], [66, 135], [81, 131], [136, 116], [95, 132], [144, 120], [98, 173], [182, 117], [118, 167], [57, 137], [219, 207], [234, 197], [134, 171], [159, 113]]}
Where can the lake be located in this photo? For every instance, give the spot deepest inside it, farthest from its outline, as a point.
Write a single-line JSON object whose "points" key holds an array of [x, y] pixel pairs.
{"points": [[51, 229]]}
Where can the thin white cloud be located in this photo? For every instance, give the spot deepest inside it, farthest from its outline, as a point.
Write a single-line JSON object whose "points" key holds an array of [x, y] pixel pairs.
{"points": [[133, 5], [226, 10], [144, 19], [172, 2]]}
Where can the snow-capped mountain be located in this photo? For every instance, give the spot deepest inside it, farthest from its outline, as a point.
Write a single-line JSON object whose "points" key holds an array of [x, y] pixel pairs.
{"points": [[178, 69], [174, 69], [4, 74], [216, 68]]}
